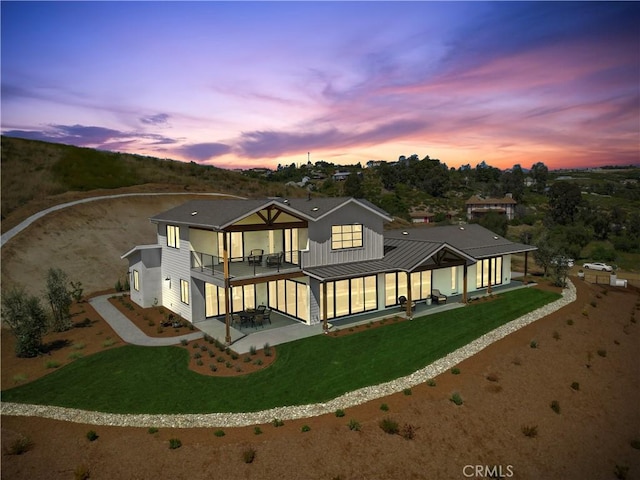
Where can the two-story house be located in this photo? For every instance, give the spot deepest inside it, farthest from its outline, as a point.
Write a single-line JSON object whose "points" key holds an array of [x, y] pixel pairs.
{"points": [[479, 206], [312, 260]]}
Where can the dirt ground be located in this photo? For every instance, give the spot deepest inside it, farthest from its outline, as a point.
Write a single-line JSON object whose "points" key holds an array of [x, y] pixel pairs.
{"points": [[592, 343]]}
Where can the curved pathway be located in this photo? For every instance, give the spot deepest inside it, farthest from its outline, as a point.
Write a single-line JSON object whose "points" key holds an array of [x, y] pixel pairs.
{"points": [[36, 216], [347, 400]]}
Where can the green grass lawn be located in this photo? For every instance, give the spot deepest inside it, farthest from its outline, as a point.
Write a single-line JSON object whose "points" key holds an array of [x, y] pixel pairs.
{"points": [[133, 379]]}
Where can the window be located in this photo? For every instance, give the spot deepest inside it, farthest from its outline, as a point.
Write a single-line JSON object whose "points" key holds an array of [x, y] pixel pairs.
{"points": [[290, 297], [489, 268], [136, 281], [184, 291], [173, 236], [346, 236], [348, 297], [214, 300]]}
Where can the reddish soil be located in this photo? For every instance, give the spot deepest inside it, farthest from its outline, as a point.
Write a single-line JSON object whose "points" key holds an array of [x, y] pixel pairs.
{"points": [[507, 386]]}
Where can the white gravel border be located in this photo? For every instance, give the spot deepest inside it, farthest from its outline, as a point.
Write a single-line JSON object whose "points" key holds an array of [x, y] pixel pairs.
{"points": [[347, 400]]}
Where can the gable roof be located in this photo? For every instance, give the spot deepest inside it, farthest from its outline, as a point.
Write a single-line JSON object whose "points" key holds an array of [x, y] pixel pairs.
{"points": [[218, 214], [475, 200]]}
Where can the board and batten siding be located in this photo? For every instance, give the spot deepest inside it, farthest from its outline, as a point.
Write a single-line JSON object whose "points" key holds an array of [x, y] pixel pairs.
{"points": [[176, 265], [320, 251]]}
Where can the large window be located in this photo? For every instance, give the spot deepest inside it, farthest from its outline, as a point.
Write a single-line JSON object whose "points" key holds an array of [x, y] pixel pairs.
{"points": [[395, 285], [173, 236], [420, 285], [214, 300], [184, 291], [290, 297], [136, 280], [489, 268], [346, 236], [348, 297]]}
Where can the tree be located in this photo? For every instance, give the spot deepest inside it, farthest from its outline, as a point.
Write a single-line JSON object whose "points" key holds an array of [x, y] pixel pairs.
{"points": [[545, 253], [540, 174], [353, 186], [27, 320], [564, 200], [59, 298], [495, 222]]}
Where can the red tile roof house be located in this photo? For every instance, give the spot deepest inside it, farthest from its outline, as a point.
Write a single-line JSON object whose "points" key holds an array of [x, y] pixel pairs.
{"points": [[478, 206], [311, 260]]}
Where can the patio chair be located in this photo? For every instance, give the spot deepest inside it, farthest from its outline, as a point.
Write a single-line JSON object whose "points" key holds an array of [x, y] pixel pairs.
{"points": [[255, 258], [259, 320], [236, 320], [275, 259], [438, 297], [402, 300], [260, 309], [266, 316]]}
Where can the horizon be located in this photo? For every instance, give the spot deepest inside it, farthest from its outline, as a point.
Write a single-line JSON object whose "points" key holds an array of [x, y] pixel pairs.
{"points": [[256, 84]]}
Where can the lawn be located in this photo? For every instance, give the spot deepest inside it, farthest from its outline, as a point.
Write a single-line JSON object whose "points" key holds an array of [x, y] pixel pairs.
{"points": [[154, 380]]}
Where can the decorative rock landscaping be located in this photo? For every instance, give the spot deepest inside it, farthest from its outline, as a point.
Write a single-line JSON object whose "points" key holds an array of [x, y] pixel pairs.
{"points": [[347, 400]]}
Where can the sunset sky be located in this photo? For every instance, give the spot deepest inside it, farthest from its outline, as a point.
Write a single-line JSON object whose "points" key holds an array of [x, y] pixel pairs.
{"points": [[257, 84]]}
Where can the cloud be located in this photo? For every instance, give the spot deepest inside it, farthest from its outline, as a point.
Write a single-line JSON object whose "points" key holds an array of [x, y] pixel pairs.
{"points": [[203, 151], [158, 119]]}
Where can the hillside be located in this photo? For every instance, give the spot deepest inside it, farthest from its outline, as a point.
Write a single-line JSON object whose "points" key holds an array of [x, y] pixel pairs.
{"points": [[37, 175]]}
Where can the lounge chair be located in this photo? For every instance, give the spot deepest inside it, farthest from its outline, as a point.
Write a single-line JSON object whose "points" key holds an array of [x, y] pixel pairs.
{"points": [[275, 259], [256, 256], [402, 300], [438, 297]]}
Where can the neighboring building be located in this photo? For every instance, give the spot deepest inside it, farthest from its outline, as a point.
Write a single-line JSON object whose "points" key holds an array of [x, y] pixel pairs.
{"points": [[478, 206], [340, 176], [310, 259], [422, 216]]}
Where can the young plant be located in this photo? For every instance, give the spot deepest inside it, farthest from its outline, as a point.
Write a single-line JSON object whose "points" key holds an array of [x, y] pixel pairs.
{"points": [[384, 407], [456, 398], [92, 435], [530, 430], [339, 413], [389, 426], [305, 428], [152, 430], [277, 422], [19, 446], [249, 455], [407, 391], [354, 425], [555, 406], [257, 431], [174, 443], [455, 371], [219, 433], [431, 382], [575, 386]]}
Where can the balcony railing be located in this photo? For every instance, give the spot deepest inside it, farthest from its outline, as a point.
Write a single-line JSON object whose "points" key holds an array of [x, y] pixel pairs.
{"points": [[249, 265]]}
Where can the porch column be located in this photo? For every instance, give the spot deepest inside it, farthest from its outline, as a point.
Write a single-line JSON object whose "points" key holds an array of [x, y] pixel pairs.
{"points": [[225, 264], [324, 307], [464, 283], [526, 264], [490, 275], [409, 311]]}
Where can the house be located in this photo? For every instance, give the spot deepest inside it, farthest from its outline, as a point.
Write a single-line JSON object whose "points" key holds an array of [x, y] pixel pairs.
{"points": [[339, 176], [312, 259], [478, 206]]}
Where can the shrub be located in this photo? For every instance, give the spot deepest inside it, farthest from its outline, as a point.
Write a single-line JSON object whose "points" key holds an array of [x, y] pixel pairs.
{"points": [[52, 364], [267, 350], [431, 382], [219, 433], [556, 335], [199, 362], [27, 320], [159, 329], [258, 362], [184, 342], [456, 398], [234, 356], [593, 303], [570, 322], [354, 425], [195, 345], [384, 407], [152, 430], [305, 428], [257, 431], [247, 359], [74, 355], [220, 359], [408, 431], [203, 348], [276, 422], [530, 430], [19, 378], [602, 352], [19, 446], [108, 342], [81, 472], [78, 346], [407, 391], [229, 365], [575, 386], [208, 338], [213, 367], [249, 455], [252, 350], [174, 443], [339, 413], [455, 371], [92, 435], [389, 426], [533, 344], [555, 406], [197, 355]]}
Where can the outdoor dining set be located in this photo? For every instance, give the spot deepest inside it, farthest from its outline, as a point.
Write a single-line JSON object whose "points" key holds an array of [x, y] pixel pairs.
{"points": [[252, 317]]}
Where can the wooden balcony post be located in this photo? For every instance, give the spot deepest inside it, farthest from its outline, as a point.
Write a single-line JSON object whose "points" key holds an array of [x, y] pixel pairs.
{"points": [[225, 265], [324, 307]]}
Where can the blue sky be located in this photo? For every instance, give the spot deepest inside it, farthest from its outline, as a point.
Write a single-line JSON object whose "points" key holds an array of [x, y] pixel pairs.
{"points": [[242, 84]]}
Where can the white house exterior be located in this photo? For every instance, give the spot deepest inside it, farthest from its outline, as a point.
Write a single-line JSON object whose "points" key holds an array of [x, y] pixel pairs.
{"points": [[479, 206], [312, 260]]}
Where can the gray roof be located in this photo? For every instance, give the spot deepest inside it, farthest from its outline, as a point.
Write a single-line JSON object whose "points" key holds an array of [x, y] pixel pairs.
{"points": [[342, 271], [218, 214]]}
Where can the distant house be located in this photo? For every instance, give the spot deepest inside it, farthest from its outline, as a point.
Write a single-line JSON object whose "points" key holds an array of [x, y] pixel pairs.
{"points": [[422, 216], [478, 206], [310, 260], [340, 176]]}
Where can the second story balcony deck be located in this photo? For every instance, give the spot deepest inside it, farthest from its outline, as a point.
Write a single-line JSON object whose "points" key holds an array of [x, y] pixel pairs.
{"points": [[256, 264]]}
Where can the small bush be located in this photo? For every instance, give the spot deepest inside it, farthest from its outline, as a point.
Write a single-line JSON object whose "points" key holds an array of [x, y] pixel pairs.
{"points": [[257, 431], [556, 335], [407, 391], [152, 430], [184, 342], [197, 355], [354, 425], [570, 322], [384, 407], [81, 472], [267, 350], [174, 443], [258, 362], [555, 406], [575, 386], [220, 359], [533, 344], [75, 355], [431, 382], [229, 365], [78, 346], [593, 303], [339, 413], [602, 352], [159, 329], [247, 359], [530, 430], [19, 378], [455, 371], [456, 398], [195, 345], [219, 433], [199, 362], [52, 364], [305, 428], [408, 431], [19, 446], [249, 455], [389, 426], [208, 338], [213, 367], [252, 350], [234, 356], [108, 342], [276, 422], [92, 435]]}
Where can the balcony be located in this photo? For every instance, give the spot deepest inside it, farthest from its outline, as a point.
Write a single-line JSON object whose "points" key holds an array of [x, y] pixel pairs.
{"points": [[256, 265]]}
